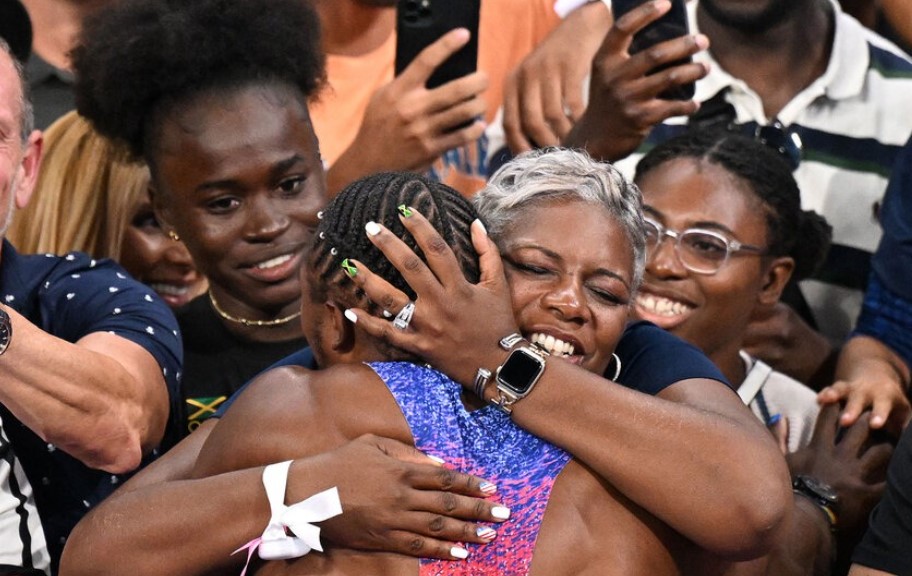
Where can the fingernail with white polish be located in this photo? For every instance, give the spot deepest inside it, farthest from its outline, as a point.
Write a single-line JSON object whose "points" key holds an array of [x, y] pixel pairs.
{"points": [[372, 228], [350, 314], [486, 533], [459, 553], [482, 226], [436, 459], [500, 512]]}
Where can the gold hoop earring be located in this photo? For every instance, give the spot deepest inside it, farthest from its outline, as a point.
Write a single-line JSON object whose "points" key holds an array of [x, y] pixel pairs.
{"points": [[173, 235]]}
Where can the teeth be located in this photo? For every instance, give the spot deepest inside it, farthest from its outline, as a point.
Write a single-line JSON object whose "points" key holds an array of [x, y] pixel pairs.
{"points": [[552, 345], [278, 261], [170, 289], [661, 306]]}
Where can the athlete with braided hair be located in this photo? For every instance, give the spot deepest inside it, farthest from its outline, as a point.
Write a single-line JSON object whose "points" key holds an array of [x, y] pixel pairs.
{"points": [[554, 497]]}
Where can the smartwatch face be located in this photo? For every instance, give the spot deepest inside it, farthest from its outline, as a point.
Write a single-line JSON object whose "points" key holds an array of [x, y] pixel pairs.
{"points": [[520, 371]]}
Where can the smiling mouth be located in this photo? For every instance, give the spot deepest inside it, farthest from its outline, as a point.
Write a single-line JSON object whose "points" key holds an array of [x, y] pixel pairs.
{"points": [[661, 306], [170, 289], [552, 345], [274, 262]]}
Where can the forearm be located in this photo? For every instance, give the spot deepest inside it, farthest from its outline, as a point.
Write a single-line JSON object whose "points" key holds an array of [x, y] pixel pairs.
{"points": [[84, 401], [149, 531], [807, 546], [669, 457]]}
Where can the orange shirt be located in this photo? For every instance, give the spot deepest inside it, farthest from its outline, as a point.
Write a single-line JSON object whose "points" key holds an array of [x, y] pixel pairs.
{"points": [[508, 31]]}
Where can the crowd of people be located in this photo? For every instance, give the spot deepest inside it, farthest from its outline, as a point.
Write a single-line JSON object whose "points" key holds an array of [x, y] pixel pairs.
{"points": [[267, 305]]}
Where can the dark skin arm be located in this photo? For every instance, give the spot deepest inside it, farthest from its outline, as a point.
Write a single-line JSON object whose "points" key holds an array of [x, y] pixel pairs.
{"points": [[781, 338], [543, 96], [456, 328], [419, 120], [300, 414], [138, 532]]}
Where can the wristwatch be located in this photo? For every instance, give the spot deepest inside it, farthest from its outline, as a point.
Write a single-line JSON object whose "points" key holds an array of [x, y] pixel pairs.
{"points": [[821, 493], [6, 330], [517, 376]]}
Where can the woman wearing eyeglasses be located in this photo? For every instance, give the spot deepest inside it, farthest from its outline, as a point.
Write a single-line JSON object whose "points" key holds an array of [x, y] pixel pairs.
{"points": [[725, 231]]}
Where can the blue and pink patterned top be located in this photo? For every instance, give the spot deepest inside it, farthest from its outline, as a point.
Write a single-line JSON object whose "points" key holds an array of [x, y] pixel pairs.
{"points": [[486, 443]]}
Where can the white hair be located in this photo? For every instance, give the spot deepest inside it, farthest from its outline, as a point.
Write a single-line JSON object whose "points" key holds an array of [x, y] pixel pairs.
{"points": [[562, 174]]}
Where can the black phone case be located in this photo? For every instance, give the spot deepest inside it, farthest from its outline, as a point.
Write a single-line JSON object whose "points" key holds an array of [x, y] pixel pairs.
{"points": [[420, 23], [672, 25]]}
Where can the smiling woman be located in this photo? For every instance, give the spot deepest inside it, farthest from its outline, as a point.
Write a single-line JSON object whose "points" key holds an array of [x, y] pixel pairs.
{"points": [[220, 115], [92, 197], [725, 233]]}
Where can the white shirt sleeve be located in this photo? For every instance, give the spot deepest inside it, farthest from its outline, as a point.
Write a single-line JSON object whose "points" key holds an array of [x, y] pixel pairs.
{"points": [[564, 7]]}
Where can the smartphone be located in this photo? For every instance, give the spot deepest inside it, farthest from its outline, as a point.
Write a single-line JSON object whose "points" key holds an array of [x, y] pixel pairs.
{"points": [[673, 24], [420, 23]]}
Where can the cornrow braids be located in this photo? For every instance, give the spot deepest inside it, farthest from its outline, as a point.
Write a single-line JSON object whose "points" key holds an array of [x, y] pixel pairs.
{"points": [[377, 198], [803, 235]]}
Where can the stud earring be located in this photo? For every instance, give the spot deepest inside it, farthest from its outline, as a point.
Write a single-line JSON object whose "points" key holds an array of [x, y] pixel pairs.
{"points": [[173, 235]]}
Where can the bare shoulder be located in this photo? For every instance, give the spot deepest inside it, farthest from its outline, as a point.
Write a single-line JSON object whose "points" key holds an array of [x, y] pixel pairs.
{"points": [[293, 412]]}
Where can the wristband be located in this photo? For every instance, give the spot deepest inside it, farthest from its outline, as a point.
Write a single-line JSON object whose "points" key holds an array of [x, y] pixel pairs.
{"points": [[290, 532]]}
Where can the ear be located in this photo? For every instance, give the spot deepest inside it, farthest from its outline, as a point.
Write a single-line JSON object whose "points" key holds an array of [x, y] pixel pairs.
{"points": [[776, 277], [31, 162], [342, 338]]}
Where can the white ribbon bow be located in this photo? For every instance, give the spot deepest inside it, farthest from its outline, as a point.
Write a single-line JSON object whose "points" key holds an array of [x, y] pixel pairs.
{"points": [[276, 543]]}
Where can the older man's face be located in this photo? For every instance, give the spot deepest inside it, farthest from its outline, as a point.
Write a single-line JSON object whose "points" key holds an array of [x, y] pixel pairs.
{"points": [[18, 160]]}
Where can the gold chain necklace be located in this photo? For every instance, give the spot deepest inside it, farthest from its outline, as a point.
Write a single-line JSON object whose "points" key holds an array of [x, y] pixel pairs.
{"points": [[245, 321]]}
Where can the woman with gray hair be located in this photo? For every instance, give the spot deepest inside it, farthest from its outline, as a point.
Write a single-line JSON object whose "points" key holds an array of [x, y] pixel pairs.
{"points": [[562, 175], [566, 247]]}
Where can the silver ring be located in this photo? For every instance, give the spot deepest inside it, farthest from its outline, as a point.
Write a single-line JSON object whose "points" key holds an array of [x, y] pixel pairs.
{"points": [[404, 317]]}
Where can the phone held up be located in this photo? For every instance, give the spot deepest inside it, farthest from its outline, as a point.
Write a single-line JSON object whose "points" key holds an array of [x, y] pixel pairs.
{"points": [[673, 24], [420, 23]]}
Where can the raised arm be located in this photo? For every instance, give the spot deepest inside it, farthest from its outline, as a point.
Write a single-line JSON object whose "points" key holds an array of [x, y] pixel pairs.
{"points": [[673, 454], [418, 119], [544, 95], [102, 400], [623, 96]]}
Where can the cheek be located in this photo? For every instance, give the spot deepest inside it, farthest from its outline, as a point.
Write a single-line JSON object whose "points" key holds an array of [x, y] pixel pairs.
{"points": [[610, 327], [141, 251], [522, 292]]}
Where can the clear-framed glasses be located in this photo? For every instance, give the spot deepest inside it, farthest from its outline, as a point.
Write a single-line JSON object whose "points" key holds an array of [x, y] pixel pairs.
{"points": [[700, 251]]}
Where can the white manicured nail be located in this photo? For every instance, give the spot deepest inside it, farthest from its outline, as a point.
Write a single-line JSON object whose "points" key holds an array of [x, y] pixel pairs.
{"points": [[350, 314], [482, 226], [500, 512], [436, 459], [460, 553], [372, 228]]}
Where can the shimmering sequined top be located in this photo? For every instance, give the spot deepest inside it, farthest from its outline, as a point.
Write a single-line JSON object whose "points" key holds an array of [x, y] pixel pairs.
{"points": [[486, 443]]}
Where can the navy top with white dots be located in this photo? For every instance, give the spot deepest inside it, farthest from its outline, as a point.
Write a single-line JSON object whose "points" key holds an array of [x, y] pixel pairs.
{"points": [[70, 297]]}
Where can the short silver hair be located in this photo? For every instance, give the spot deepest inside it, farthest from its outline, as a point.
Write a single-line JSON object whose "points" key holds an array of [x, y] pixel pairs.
{"points": [[552, 174], [26, 112]]}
